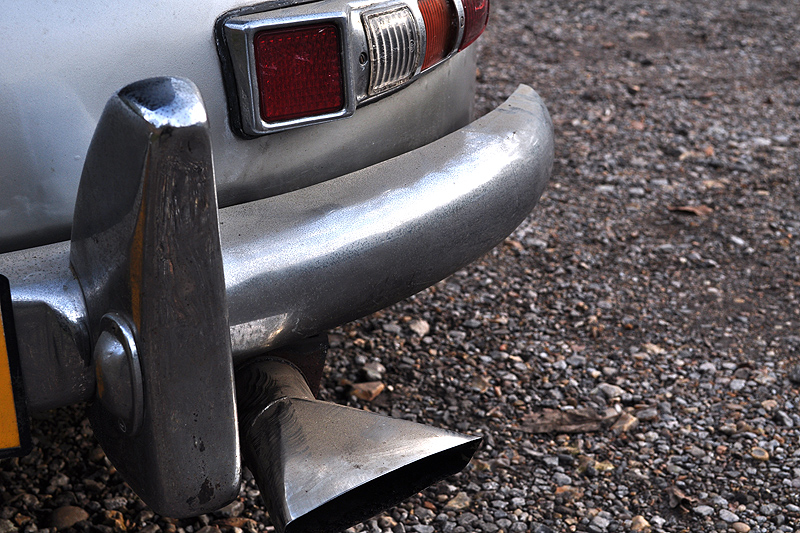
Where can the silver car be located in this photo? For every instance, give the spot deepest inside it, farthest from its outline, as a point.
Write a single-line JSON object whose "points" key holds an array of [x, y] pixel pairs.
{"points": [[192, 193]]}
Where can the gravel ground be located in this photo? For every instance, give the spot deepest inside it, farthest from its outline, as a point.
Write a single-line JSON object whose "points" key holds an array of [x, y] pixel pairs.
{"points": [[631, 353]]}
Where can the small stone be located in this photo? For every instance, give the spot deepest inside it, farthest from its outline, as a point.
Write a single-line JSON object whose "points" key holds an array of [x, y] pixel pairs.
{"points": [[466, 519], [769, 509], [94, 486], [576, 360], [386, 522], [59, 480], [480, 383], [697, 452], [420, 528], [394, 329], [759, 454], [367, 391], [653, 349], [562, 479], [472, 324], [233, 509], [7, 526], [737, 384], [624, 423], [738, 241], [420, 327], [608, 390], [601, 521], [115, 520], [112, 504], [673, 468], [783, 418], [769, 405], [708, 367], [68, 516], [460, 501], [639, 523], [704, 510], [647, 415], [603, 466], [740, 527], [794, 374], [728, 516], [237, 522], [97, 455], [373, 371]]}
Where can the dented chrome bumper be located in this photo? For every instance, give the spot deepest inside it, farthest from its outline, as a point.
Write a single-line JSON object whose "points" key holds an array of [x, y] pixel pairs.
{"points": [[302, 262]]}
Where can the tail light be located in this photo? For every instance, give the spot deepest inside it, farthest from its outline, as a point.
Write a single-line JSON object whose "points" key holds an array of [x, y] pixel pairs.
{"points": [[299, 72], [441, 29], [317, 61], [476, 15]]}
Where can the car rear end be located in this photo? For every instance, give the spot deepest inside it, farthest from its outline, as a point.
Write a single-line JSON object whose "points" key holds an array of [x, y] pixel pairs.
{"points": [[192, 192]]}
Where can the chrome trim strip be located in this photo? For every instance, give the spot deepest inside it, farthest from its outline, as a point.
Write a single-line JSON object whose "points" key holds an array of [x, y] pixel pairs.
{"points": [[303, 262]]}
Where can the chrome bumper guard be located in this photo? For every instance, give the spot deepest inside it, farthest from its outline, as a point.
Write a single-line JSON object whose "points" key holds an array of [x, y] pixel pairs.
{"points": [[302, 262], [159, 293]]}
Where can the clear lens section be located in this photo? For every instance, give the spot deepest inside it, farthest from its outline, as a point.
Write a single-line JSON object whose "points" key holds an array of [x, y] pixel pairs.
{"points": [[394, 48], [441, 29]]}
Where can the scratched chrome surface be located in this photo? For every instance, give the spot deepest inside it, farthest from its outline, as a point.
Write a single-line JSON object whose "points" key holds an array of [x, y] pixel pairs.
{"points": [[302, 262]]}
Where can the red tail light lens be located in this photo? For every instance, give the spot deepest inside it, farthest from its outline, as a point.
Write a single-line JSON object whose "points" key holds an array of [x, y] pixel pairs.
{"points": [[441, 28], [476, 15], [299, 72]]}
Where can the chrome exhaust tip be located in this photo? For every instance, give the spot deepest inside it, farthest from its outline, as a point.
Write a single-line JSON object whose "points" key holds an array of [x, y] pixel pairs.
{"points": [[323, 467]]}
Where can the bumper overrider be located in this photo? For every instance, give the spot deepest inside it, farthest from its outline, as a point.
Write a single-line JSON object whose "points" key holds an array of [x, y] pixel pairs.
{"points": [[160, 295]]}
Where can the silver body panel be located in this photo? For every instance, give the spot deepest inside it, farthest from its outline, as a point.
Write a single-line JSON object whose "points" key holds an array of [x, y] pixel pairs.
{"points": [[301, 262], [60, 62]]}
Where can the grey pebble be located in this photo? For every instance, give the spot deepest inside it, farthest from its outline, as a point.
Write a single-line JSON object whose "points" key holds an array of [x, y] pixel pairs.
{"points": [[562, 479], [738, 384], [114, 504], [704, 510], [608, 390], [601, 522], [392, 328]]}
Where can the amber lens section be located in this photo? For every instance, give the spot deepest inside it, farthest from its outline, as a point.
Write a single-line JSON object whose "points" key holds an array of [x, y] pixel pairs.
{"points": [[476, 15], [441, 28]]}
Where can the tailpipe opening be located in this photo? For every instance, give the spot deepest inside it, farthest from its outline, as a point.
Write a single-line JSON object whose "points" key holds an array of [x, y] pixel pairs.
{"points": [[323, 467]]}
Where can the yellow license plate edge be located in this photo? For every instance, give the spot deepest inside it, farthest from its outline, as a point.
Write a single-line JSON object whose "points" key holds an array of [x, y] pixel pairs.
{"points": [[14, 440]]}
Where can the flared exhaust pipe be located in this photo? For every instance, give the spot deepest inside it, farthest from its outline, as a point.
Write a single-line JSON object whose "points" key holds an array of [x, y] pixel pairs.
{"points": [[323, 467]]}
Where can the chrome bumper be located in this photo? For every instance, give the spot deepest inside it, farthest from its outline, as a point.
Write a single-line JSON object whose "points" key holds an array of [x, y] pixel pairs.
{"points": [[306, 261]]}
